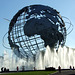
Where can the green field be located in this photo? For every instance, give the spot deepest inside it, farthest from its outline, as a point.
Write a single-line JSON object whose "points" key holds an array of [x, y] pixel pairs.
{"points": [[30, 73]]}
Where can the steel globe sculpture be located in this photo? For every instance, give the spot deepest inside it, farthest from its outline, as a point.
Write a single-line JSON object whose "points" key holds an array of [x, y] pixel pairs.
{"points": [[33, 28]]}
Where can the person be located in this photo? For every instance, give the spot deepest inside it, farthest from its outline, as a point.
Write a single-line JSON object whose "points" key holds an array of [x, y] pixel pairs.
{"points": [[5, 69], [34, 68], [2, 69], [73, 68], [59, 68], [22, 68], [70, 68], [17, 69]]}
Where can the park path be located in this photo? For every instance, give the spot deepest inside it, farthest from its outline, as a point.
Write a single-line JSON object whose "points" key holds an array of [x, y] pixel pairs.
{"points": [[67, 72]]}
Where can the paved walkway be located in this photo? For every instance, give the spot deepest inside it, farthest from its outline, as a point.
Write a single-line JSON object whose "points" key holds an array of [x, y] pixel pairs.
{"points": [[67, 72]]}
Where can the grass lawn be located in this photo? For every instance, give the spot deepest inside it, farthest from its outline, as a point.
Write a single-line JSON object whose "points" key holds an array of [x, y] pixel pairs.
{"points": [[30, 73]]}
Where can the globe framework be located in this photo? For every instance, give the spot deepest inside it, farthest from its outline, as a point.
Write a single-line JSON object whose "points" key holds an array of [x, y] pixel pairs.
{"points": [[33, 28]]}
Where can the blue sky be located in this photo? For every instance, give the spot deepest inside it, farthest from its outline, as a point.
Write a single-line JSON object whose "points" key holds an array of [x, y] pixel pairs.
{"points": [[8, 8]]}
